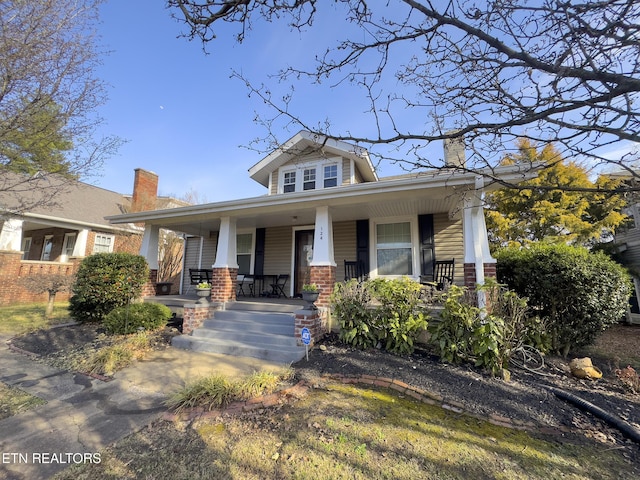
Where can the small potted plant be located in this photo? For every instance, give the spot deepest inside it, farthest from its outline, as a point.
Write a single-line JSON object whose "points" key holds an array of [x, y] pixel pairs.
{"points": [[203, 290], [310, 292]]}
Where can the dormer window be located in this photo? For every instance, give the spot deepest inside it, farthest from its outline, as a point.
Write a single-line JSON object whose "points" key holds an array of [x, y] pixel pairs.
{"points": [[309, 179], [310, 175], [289, 182], [330, 175]]}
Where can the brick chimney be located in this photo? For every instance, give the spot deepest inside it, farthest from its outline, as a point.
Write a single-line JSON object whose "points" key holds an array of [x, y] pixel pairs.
{"points": [[145, 191], [454, 155]]}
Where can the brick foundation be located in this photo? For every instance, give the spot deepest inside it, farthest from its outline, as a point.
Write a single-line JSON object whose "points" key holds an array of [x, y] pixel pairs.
{"points": [[223, 284], [314, 321], [325, 278]]}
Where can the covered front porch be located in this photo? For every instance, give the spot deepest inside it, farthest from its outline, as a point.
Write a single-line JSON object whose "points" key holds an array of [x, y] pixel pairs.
{"points": [[397, 227]]}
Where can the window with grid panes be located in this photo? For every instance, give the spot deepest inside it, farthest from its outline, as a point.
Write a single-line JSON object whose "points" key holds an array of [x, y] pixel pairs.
{"points": [[393, 249]]}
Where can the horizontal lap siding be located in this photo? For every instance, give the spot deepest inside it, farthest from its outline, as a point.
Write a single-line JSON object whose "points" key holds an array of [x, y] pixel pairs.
{"points": [[209, 249], [344, 245], [277, 250], [449, 242]]}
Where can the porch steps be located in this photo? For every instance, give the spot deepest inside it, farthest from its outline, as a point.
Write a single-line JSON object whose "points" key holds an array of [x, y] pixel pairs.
{"points": [[248, 333]]}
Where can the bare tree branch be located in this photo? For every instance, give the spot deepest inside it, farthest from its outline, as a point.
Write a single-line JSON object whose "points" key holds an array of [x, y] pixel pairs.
{"points": [[491, 71]]}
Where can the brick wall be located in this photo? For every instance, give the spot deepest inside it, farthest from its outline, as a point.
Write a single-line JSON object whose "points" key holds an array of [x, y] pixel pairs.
{"points": [[223, 284], [149, 288], [13, 271], [195, 314], [314, 321]]}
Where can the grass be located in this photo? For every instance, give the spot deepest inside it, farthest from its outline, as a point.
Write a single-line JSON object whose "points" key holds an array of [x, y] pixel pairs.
{"points": [[349, 432], [14, 401], [19, 319], [217, 391], [110, 359]]}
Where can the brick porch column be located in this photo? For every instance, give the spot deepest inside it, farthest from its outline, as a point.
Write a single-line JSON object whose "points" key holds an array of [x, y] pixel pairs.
{"points": [[149, 288], [324, 276], [470, 273], [223, 284]]}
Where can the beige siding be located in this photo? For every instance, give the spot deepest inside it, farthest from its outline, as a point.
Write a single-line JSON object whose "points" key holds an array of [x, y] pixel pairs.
{"points": [[346, 171], [209, 250], [277, 250], [358, 176], [344, 245], [449, 242], [274, 183]]}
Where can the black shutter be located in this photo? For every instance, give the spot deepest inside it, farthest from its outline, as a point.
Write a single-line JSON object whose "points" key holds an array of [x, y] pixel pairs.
{"points": [[258, 266], [427, 251], [362, 244]]}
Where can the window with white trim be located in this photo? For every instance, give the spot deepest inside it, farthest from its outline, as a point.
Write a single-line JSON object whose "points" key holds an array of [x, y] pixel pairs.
{"points": [[103, 243], [69, 244], [310, 175], [309, 179], [330, 175], [394, 249], [244, 252], [47, 246], [289, 182], [26, 247]]}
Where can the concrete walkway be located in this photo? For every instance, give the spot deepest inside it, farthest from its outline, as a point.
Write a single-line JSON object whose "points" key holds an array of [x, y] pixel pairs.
{"points": [[84, 415]]}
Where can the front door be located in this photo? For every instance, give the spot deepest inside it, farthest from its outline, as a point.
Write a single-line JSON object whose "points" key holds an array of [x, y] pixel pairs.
{"points": [[303, 257]]}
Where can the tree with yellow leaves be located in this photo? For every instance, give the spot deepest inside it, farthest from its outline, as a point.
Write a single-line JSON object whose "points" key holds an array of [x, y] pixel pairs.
{"points": [[561, 205]]}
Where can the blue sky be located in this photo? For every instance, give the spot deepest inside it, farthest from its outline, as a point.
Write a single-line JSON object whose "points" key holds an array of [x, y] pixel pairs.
{"points": [[184, 118], [180, 113]]}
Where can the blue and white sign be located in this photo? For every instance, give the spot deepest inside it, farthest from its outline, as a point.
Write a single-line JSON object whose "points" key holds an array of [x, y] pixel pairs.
{"points": [[306, 336]]}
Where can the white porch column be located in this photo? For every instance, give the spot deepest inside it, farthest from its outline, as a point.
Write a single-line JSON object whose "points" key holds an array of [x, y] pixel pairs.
{"points": [[80, 247], [11, 235], [226, 256], [149, 247], [476, 241], [323, 239]]}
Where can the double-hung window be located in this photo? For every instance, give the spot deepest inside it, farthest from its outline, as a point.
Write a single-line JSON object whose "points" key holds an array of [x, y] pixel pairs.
{"points": [[393, 248], [309, 179], [69, 244], [103, 243], [289, 182], [244, 252], [330, 175]]}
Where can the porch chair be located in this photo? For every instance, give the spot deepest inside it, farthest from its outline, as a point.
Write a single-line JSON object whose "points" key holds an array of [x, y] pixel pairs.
{"points": [[277, 289], [245, 281], [354, 269], [198, 275], [443, 271]]}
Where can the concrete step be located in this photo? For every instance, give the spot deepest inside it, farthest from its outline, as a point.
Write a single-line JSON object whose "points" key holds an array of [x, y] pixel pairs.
{"points": [[280, 354], [282, 306], [250, 333]]}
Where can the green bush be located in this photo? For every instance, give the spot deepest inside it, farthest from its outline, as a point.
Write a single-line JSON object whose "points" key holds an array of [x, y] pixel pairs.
{"points": [[467, 333], [385, 312], [131, 318], [105, 281], [577, 293]]}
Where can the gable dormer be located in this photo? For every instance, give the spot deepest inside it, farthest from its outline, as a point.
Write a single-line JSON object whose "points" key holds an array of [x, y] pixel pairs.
{"points": [[311, 162]]}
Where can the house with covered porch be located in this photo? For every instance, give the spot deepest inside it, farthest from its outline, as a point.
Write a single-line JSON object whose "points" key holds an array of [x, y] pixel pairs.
{"points": [[325, 205]]}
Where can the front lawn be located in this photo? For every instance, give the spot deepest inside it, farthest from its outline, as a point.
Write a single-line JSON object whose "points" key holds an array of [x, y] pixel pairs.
{"points": [[349, 432], [19, 319]]}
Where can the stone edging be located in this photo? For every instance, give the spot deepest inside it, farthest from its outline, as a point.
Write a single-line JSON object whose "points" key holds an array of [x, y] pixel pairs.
{"points": [[302, 387]]}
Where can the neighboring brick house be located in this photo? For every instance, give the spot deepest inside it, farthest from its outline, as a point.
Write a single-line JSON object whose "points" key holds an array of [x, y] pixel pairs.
{"points": [[325, 206], [54, 239]]}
